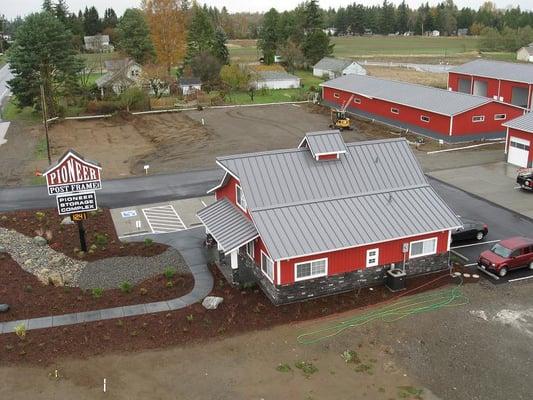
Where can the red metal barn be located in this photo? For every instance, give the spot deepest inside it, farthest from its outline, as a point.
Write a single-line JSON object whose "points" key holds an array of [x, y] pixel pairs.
{"points": [[428, 111], [503, 81], [519, 141], [326, 217]]}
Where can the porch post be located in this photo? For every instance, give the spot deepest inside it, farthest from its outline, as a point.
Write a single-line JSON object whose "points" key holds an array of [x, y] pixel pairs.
{"points": [[234, 259]]}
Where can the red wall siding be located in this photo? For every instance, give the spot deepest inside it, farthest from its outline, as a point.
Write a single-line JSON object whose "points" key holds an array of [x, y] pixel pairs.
{"points": [[353, 259], [506, 90], [453, 80], [492, 86], [521, 135], [230, 192], [438, 123], [328, 157], [463, 125]]}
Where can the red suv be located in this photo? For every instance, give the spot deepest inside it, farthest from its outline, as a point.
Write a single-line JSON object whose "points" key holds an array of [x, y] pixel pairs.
{"points": [[508, 254]]}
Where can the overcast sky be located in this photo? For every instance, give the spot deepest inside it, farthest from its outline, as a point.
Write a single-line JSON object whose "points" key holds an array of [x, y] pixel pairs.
{"points": [[12, 8]]}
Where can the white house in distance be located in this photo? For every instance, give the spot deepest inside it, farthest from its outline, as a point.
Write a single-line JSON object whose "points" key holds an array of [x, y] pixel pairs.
{"points": [[121, 74], [525, 53], [98, 44], [334, 67], [189, 86], [276, 80]]}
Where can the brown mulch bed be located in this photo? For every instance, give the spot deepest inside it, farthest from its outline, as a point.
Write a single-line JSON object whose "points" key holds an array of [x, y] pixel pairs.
{"points": [[29, 298], [65, 238], [241, 311]]}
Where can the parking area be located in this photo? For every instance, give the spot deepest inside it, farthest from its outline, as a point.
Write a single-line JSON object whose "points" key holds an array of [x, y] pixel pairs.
{"points": [[157, 218]]}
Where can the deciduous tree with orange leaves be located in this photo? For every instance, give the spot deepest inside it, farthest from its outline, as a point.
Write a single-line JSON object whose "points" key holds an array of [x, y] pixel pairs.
{"points": [[166, 19]]}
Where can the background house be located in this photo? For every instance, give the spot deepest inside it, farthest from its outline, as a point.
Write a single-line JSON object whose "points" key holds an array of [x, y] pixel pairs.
{"points": [[425, 110], [188, 86], [525, 53], [98, 44], [314, 220], [120, 75], [334, 67], [275, 80], [504, 81]]}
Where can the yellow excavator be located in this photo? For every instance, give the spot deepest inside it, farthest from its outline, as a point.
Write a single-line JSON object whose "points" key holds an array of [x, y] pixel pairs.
{"points": [[339, 120]]}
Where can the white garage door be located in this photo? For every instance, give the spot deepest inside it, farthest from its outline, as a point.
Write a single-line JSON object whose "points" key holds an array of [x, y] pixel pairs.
{"points": [[518, 151]]}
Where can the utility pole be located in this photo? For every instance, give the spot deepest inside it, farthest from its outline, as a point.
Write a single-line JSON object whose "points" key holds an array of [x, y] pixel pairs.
{"points": [[45, 123]]}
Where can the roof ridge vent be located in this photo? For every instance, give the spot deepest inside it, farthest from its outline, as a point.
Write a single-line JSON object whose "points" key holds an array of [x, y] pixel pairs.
{"points": [[324, 145]]}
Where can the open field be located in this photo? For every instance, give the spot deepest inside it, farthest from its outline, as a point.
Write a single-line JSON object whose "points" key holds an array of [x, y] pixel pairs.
{"points": [[409, 75], [95, 61], [389, 48]]}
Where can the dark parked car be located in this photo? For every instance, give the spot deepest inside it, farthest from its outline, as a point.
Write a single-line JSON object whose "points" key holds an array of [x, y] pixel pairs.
{"points": [[525, 179], [471, 230], [508, 254]]}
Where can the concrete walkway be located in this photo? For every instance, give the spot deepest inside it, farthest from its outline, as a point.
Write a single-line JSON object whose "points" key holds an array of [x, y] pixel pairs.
{"points": [[189, 243]]}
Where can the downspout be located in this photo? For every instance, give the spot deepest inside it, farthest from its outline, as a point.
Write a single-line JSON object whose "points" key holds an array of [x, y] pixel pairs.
{"points": [[451, 125], [506, 140], [499, 89]]}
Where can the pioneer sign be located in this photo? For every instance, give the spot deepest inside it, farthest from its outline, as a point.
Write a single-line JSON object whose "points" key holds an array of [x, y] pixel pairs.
{"points": [[76, 203], [72, 174]]}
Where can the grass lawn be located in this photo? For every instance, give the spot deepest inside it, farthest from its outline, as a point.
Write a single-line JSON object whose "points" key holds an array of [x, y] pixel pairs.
{"points": [[2, 60], [11, 112], [308, 79], [96, 60], [266, 96]]}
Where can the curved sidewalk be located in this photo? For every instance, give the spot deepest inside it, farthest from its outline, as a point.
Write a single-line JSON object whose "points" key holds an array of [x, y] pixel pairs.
{"points": [[189, 243]]}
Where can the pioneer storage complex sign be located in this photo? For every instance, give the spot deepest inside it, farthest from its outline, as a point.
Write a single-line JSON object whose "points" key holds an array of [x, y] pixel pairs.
{"points": [[73, 180]]}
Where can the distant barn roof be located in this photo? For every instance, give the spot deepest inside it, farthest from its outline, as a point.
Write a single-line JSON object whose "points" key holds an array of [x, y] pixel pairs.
{"points": [[332, 64], [376, 191], [427, 98], [275, 76], [189, 81], [515, 72], [523, 123]]}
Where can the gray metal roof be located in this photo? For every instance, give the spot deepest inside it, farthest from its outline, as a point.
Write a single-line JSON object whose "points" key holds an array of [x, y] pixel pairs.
{"points": [[275, 76], [523, 123], [376, 191], [230, 228], [515, 72], [427, 98], [332, 64], [332, 224], [324, 142]]}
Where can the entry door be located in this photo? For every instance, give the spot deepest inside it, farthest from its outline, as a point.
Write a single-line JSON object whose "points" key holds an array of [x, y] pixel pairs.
{"points": [[518, 151]]}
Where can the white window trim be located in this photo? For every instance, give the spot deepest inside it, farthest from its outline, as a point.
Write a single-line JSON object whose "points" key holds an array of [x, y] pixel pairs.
{"points": [[271, 279], [336, 95], [478, 118], [357, 101], [252, 243], [376, 263], [296, 279], [242, 207], [423, 254], [424, 117], [394, 110], [500, 117]]}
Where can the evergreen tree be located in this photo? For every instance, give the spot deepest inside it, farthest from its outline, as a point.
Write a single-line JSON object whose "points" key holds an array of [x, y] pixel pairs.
{"points": [[269, 36], [386, 22], [134, 36], [110, 19], [313, 16], [42, 54], [201, 35], [220, 50], [91, 21], [61, 11], [316, 46], [47, 6], [403, 17]]}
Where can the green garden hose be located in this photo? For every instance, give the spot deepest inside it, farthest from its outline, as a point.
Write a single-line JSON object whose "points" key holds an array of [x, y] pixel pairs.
{"points": [[394, 311]]}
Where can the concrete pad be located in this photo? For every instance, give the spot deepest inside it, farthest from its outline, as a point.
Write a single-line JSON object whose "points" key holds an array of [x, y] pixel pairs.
{"points": [[177, 304], [494, 182], [9, 327], [66, 319], [110, 313], [130, 311], [158, 306], [89, 316], [38, 323]]}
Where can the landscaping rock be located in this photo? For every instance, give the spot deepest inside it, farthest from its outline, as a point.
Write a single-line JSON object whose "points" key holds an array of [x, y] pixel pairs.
{"points": [[67, 221], [3, 249], [40, 241], [4, 308], [212, 302], [55, 279]]}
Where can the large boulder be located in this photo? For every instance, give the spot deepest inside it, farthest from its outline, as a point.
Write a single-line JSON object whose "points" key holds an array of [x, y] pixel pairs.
{"points": [[4, 308], [40, 241], [67, 221], [43, 275], [212, 302], [55, 279]]}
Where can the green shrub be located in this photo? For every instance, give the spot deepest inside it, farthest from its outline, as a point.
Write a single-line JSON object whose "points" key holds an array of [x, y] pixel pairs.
{"points": [[20, 331], [170, 272], [39, 215], [100, 239], [126, 287], [169, 284], [307, 367], [97, 293], [148, 242], [283, 368], [350, 357], [102, 107]]}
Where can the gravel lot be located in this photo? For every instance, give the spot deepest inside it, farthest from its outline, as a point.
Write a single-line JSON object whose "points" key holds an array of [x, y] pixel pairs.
{"points": [[111, 272]]}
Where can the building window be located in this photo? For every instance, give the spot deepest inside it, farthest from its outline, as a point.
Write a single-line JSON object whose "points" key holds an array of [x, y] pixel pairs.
{"points": [[311, 269], [517, 145], [241, 200], [499, 117], [250, 249], [422, 248], [478, 118], [336, 95], [357, 101], [372, 257], [424, 118], [394, 110], [267, 266]]}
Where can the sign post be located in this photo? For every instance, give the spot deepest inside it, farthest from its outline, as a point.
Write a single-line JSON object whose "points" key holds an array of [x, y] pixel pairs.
{"points": [[74, 180]]}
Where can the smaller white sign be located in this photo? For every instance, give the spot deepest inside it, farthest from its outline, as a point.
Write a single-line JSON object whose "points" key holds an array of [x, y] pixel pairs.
{"points": [[405, 248], [128, 213], [76, 203]]}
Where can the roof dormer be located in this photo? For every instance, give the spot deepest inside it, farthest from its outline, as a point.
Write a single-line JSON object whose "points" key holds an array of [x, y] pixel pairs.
{"points": [[324, 145]]}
